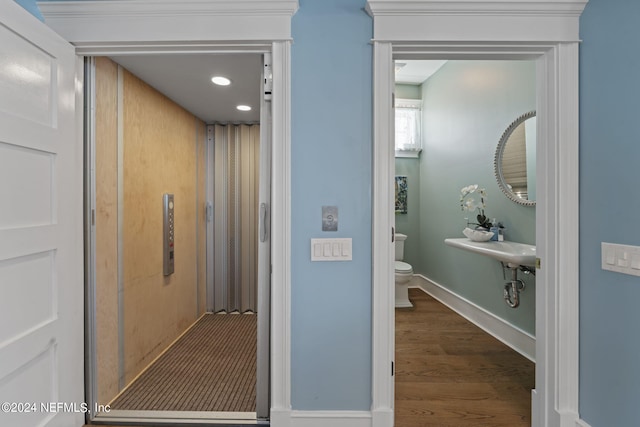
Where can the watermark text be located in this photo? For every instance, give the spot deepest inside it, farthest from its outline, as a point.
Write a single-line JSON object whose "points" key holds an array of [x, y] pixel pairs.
{"points": [[52, 407]]}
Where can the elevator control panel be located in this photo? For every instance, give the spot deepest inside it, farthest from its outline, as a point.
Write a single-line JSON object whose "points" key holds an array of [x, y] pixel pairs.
{"points": [[169, 234]]}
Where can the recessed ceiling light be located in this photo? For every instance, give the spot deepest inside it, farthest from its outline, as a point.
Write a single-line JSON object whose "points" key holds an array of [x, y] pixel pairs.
{"points": [[221, 81], [243, 108]]}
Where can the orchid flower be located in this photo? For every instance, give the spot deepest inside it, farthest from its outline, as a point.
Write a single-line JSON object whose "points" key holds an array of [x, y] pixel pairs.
{"points": [[469, 204]]}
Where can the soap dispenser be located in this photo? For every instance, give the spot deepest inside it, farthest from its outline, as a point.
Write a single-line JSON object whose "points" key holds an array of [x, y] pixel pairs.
{"points": [[494, 229]]}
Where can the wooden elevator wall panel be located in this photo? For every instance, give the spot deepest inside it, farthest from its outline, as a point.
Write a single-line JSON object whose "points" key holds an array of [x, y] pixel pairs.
{"points": [[106, 228], [159, 157]]}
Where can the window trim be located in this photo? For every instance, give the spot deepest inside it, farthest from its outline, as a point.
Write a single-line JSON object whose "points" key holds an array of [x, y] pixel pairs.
{"points": [[406, 103]]}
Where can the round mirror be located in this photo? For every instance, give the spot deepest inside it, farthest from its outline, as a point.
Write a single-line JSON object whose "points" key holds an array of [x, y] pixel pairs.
{"points": [[515, 160]]}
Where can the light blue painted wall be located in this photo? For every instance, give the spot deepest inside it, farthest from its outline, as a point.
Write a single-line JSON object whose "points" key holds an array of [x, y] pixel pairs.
{"points": [[609, 211], [409, 223], [331, 165], [467, 105], [406, 91]]}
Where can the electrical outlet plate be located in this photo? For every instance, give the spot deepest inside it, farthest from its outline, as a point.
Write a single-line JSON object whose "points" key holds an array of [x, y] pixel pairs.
{"points": [[623, 259], [329, 218]]}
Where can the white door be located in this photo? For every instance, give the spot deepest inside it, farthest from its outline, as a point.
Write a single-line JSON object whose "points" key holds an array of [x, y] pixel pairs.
{"points": [[41, 259]]}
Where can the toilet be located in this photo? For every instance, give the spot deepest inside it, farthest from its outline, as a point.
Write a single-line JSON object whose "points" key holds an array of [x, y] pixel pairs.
{"points": [[404, 273]]}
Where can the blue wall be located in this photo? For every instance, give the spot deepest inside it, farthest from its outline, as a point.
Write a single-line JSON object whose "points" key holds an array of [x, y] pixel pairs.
{"points": [[467, 105], [609, 211], [331, 165], [409, 223]]}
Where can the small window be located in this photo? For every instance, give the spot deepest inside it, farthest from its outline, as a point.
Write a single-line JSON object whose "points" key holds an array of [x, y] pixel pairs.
{"points": [[408, 127]]}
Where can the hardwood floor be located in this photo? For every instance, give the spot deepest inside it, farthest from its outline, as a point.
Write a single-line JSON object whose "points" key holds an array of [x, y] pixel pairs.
{"points": [[451, 373]]}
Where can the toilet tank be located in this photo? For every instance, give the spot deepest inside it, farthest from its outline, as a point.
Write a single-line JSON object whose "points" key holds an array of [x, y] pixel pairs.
{"points": [[399, 243]]}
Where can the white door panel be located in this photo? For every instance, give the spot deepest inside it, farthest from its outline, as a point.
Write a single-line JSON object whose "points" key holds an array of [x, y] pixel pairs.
{"points": [[41, 283]]}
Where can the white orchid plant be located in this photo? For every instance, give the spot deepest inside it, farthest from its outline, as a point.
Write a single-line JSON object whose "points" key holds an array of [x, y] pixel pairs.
{"points": [[469, 203]]}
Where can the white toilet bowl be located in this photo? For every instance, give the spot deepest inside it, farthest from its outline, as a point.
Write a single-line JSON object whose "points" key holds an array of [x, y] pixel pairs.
{"points": [[403, 275]]}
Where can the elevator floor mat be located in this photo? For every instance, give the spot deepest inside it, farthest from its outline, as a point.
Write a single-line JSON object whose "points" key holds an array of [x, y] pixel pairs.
{"points": [[212, 367]]}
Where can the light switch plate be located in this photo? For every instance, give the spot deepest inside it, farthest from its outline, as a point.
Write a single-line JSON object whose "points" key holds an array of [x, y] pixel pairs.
{"points": [[331, 249], [623, 259]]}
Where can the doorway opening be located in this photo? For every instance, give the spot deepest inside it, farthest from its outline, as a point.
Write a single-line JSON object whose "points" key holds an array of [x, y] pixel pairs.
{"points": [[556, 68], [449, 119], [157, 352]]}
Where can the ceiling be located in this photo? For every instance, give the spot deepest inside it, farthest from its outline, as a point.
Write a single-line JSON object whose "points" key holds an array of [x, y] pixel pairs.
{"points": [[416, 71], [186, 79]]}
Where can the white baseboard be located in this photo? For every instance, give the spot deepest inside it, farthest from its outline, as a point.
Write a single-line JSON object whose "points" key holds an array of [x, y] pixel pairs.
{"points": [[283, 418], [330, 418], [519, 340], [382, 417], [376, 418], [535, 409], [581, 423], [280, 417]]}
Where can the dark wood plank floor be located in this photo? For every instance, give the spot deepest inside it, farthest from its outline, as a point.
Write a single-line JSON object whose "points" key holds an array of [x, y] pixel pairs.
{"points": [[451, 373]]}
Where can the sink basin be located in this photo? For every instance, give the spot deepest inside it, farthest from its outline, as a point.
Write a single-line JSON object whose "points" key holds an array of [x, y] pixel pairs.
{"points": [[512, 253]]}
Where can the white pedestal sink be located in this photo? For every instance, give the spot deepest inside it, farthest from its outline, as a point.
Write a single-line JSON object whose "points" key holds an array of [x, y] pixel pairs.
{"points": [[511, 253]]}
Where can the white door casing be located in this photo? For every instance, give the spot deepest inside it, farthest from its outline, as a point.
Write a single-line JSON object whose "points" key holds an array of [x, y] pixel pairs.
{"points": [[548, 32], [41, 258], [114, 27]]}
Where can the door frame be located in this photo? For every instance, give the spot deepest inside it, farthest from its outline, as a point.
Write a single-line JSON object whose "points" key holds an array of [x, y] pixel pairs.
{"points": [[135, 27], [547, 32]]}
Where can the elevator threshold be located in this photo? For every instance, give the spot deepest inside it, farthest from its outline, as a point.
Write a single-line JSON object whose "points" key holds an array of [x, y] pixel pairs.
{"points": [[174, 418]]}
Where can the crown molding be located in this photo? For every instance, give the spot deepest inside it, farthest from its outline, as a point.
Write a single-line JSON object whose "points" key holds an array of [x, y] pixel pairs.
{"points": [[168, 7], [498, 20], [476, 7], [83, 22]]}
